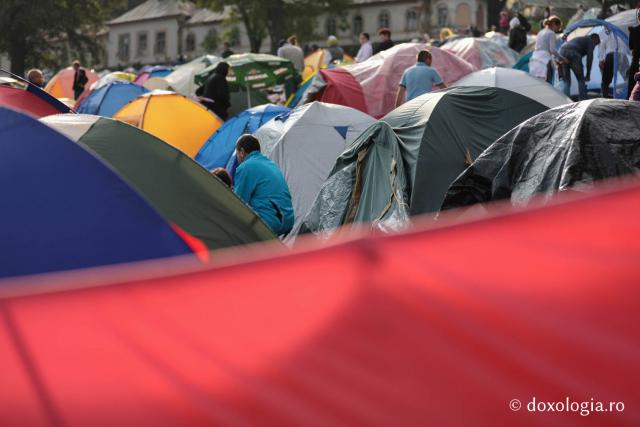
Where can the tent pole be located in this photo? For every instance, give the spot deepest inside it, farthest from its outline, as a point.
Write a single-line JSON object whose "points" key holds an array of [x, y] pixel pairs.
{"points": [[248, 97]]}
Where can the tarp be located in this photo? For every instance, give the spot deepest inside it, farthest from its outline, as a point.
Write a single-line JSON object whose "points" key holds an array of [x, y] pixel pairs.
{"points": [[183, 192], [566, 147], [61, 85], [62, 208], [624, 20], [30, 99], [218, 149], [342, 89], [482, 53], [108, 99], [379, 76], [174, 118], [306, 145], [404, 164], [440, 327], [519, 82]]}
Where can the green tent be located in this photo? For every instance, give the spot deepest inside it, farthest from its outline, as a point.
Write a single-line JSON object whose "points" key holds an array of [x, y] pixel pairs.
{"points": [[404, 164], [178, 187]]}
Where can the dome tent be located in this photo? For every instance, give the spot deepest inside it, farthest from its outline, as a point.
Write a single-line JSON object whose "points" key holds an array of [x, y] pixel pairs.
{"points": [[30, 99], [64, 209], [567, 146], [108, 99], [482, 53], [516, 81], [404, 163], [174, 184], [219, 149], [305, 145], [172, 117], [150, 72], [61, 85]]}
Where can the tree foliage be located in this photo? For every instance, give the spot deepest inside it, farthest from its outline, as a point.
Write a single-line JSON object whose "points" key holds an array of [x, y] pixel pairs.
{"points": [[46, 32], [277, 18]]}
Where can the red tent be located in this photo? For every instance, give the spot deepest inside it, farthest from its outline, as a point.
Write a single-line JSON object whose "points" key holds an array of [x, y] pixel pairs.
{"points": [[461, 325], [33, 101], [342, 89]]}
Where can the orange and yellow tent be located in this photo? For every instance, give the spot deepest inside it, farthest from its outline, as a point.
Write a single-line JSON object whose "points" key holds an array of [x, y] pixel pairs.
{"points": [[316, 60], [174, 118]]}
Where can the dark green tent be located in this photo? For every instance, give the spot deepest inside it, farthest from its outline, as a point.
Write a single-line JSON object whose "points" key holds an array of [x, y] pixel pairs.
{"points": [[404, 164], [179, 188]]}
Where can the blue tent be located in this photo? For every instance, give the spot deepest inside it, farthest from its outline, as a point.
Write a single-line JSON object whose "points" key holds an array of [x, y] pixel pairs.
{"points": [[219, 149], [107, 100], [62, 208], [523, 62]]}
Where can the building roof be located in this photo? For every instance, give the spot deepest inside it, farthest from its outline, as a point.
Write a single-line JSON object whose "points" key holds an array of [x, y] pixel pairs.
{"points": [[154, 9], [206, 16]]}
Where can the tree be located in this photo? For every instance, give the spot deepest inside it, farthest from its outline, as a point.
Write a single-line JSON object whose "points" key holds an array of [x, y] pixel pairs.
{"points": [[277, 18], [33, 35]]}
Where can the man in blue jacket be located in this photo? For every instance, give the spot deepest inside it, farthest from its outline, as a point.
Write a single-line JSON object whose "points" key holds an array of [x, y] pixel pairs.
{"points": [[262, 186]]}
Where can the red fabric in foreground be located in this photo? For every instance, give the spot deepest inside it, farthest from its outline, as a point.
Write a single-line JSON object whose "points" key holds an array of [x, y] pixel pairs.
{"points": [[342, 89], [440, 327], [22, 100]]}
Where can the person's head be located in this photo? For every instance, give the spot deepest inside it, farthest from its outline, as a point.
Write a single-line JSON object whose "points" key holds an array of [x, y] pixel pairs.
{"points": [[35, 77], [314, 47], [223, 175], [364, 37], [580, 7], [75, 64], [424, 56], [332, 41], [222, 68], [384, 34], [595, 39], [246, 145], [514, 23], [293, 40], [504, 13], [445, 33], [225, 45], [553, 23]]}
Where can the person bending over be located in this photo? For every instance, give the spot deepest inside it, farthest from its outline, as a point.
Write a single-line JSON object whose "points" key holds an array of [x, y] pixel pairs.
{"points": [[261, 185]]}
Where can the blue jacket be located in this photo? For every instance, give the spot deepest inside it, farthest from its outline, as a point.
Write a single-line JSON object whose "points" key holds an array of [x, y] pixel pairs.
{"points": [[262, 186]]}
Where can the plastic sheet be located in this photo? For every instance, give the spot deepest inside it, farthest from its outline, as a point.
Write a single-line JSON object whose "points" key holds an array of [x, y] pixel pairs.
{"points": [[569, 146], [482, 53]]}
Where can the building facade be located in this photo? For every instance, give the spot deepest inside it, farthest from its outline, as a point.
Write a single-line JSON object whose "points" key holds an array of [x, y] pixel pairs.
{"points": [[169, 31]]}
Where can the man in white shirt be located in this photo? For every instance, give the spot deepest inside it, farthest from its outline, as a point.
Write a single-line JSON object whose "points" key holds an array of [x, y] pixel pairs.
{"points": [[606, 52], [366, 49], [291, 51]]}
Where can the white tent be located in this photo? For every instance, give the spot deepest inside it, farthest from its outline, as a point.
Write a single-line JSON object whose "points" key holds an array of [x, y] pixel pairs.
{"points": [[181, 79], [516, 81], [306, 145]]}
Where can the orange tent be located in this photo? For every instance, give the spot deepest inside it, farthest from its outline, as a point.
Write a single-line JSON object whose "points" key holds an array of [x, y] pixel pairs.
{"points": [[61, 85], [462, 325], [172, 117]]}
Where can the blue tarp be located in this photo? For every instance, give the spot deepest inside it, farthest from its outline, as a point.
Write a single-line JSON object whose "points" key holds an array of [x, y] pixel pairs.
{"points": [[62, 208], [523, 62], [107, 100], [219, 149]]}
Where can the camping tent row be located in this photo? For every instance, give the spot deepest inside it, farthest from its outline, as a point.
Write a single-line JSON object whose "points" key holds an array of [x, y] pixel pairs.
{"points": [[103, 192]]}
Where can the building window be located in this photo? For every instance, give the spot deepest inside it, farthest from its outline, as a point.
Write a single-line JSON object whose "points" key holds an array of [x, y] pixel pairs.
{"points": [[357, 25], [412, 20], [142, 44], [463, 15], [234, 37], [443, 15], [124, 41], [160, 47], [331, 26], [191, 42], [384, 19]]}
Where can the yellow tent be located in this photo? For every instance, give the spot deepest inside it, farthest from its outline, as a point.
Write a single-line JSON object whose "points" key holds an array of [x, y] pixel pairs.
{"points": [[316, 60], [172, 117]]}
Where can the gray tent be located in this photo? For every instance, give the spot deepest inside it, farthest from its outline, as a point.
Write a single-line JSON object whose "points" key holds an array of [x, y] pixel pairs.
{"points": [[403, 164], [571, 145]]}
